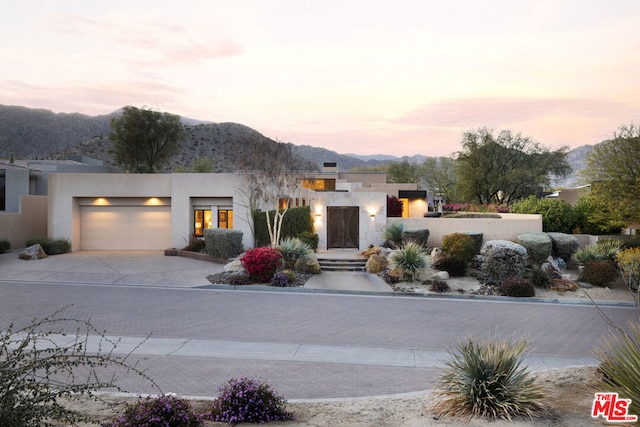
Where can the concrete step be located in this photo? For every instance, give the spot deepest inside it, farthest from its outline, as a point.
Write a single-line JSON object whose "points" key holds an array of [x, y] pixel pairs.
{"points": [[346, 264]]}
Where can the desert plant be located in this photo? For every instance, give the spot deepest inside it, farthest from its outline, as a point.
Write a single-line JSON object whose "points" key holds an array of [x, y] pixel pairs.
{"points": [[223, 242], [292, 249], [588, 253], [393, 233], [439, 286], [262, 263], [409, 260], [161, 411], [280, 280], [248, 400], [517, 287], [239, 280], [196, 245], [540, 277], [619, 357], [628, 261], [609, 248], [502, 260], [486, 378], [40, 365], [538, 246], [557, 215], [4, 246], [455, 266], [419, 237], [598, 272], [459, 245]]}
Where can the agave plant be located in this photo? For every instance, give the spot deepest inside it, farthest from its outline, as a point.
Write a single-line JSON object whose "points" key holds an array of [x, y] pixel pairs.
{"points": [[589, 253], [409, 260], [486, 379], [292, 249], [609, 249]]}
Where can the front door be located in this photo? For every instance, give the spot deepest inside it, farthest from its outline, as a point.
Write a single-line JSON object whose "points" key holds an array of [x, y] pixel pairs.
{"points": [[343, 227]]}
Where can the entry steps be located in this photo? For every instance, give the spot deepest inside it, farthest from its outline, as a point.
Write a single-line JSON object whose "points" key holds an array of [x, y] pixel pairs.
{"points": [[342, 264]]}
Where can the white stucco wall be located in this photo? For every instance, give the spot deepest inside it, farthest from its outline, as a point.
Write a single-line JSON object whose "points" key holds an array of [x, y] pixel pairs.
{"points": [[506, 228]]}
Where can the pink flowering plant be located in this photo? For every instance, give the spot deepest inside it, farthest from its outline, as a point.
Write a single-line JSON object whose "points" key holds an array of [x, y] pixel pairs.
{"points": [[246, 400], [262, 263], [161, 411]]}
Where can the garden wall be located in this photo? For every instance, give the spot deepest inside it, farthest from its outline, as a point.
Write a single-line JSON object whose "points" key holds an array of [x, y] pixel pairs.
{"points": [[31, 221], [506, 228]]}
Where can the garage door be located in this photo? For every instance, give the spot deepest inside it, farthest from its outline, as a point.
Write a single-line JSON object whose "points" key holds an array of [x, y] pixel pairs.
{"points": [[125, 227]]}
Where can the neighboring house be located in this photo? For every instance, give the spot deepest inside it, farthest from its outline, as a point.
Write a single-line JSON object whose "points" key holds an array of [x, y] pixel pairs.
{"points": [[571, 195], [23, 194]]}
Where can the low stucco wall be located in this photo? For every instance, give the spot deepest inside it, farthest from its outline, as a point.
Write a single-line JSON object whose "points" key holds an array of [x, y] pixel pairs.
{"points": [[506, 228], [30, 222]]}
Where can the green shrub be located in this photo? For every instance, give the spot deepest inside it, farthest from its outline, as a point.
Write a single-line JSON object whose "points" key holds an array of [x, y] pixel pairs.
{"points": [[487, 379], [557, 215], [51, 246], [223, 242], [619, 358], [419, 237], [393, 233], [502, 260], [540, 277], [161, 411], [634, 242], [598, 273], [292, 249], [247, 400], [196, 245], [516, 287], [471, 215], [310, 238], [4, 246], [409, 260], [477, 238], [459, 245], [295, 221], [538, 246], [455, 266], [593, 216], [563, 245]]}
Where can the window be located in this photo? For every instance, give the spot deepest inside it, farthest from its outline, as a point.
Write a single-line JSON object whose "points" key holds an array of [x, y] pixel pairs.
{"points": [[225, 218], [319, 184], [201, 220]]}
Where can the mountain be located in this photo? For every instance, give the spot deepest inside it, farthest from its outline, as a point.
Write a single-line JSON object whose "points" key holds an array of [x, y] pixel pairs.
{"points": [[37, 133]]}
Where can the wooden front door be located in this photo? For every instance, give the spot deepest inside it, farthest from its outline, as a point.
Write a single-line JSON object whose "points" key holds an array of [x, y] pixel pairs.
{"points": [[343, 227]]}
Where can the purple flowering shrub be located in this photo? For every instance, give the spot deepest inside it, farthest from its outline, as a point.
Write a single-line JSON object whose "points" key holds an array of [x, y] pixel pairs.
{"points": [[161, 411], [280, 280], [248, 400]]}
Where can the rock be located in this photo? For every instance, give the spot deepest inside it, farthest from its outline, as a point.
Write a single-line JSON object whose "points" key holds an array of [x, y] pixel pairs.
{"points": [[440, 275], [423, 274], [436, 256], [552, 268], [371, 251], [33, 252], [307, 264], [234, 265]]}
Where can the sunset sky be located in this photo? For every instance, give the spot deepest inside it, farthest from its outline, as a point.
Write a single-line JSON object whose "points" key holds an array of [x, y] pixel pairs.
{"points": [[355, 76]]}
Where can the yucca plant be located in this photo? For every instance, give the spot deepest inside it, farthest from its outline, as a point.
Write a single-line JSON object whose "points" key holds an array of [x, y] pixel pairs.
{"points": [[589, 253], [486, 378], [393, 233], [609, 249], [409, 260], [619, 358], [292, 249]]}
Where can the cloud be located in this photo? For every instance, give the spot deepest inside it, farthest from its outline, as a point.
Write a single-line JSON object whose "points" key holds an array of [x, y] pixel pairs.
{"points": [[474, 112]]}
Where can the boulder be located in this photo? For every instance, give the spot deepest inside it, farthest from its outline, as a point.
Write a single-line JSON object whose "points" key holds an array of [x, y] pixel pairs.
{"points": [[440, 275], [234, 265], [33, 252], [552, 268], [307, 264], [436, 256]]}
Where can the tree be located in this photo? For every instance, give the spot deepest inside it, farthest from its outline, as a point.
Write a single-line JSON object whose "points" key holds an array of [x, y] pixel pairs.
{"points": [[272, 176], [613, 168], [404, 172], [144, 140], [441, 177], [505, 168]]}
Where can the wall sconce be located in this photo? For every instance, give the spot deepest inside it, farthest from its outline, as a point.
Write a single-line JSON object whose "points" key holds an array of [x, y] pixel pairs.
{"points": [[373, 217], [318, 214]]}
